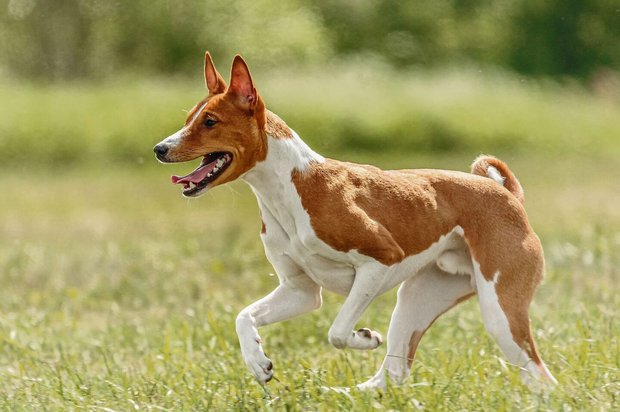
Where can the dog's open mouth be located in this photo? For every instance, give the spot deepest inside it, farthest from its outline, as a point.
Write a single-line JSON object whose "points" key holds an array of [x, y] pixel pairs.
{"points": [[212, 166]]}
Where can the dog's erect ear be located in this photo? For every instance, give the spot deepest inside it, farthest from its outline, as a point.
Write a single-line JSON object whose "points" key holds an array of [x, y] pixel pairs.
{"points": [[213, 79], [241, 86]]}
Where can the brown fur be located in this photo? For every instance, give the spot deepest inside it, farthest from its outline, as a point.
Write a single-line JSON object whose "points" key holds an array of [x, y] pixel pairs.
{"points": [[389, 215], [276, 128], [242, 121], [360, 207], [416, 337], [232, 134], [213, 79], [263, 228]]}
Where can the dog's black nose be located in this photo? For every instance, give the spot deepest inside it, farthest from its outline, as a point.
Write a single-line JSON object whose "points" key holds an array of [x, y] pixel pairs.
{"points": [[161, 149]]}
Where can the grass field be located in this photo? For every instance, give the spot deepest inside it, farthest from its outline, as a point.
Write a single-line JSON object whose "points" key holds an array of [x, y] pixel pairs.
{"points": [[119, 295]]}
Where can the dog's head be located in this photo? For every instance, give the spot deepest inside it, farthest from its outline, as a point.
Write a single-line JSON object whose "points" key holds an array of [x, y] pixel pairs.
{"points": [[226, 129]]}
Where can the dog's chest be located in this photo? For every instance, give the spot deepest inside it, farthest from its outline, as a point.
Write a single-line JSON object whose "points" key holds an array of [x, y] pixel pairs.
{"points": [[327, 267], [290, 241], [290, 236], [331, 272]]}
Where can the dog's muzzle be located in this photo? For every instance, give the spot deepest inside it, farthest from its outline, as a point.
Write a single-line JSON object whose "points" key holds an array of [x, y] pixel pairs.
{"points": [[160, 151]]}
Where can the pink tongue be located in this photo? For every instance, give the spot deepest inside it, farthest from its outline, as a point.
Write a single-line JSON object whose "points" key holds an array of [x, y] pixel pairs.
{"points": [[196, 176]]}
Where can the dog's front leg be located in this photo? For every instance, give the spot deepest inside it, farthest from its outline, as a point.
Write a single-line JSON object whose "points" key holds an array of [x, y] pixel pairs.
{"points": [[369, 279], [286, 301]]}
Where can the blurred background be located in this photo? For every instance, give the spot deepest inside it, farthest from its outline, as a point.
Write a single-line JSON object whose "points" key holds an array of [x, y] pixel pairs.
{"points": [[424, 76], [108, 271]]}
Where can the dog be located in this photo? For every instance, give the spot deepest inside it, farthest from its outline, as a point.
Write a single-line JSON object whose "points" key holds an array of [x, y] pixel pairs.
{"points": [[359, 231]]}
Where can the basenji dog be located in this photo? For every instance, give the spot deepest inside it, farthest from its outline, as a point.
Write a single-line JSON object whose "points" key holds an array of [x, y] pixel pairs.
{"points": [[359, 231]]}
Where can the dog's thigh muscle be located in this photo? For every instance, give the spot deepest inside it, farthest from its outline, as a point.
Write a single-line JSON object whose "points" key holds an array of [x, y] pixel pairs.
{"points": [[421, 299], [456, 261]]}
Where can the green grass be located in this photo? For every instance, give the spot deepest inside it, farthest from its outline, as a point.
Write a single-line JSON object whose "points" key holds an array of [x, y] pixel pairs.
{"points": [[118, 294]]}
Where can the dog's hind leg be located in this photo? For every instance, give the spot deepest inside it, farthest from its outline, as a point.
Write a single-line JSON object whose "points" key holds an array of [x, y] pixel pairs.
{"points": [[421, 299], [504, 301]]}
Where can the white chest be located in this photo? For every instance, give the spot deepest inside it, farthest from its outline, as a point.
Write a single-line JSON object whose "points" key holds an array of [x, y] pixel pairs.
{"points": [[330, 274], [290, 242], [289, 238]]}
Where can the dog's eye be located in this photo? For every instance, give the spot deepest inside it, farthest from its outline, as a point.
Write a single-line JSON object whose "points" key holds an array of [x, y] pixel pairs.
{"points": [[209, 123]]}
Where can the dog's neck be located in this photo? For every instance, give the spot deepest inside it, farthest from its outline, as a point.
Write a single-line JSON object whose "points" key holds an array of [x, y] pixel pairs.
{"points": [[271, 179]]}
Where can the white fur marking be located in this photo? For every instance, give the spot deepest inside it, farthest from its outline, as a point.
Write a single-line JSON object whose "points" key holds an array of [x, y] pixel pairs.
{"points": [[174, 139], [494, 174], [198, 113], [497, 325]]}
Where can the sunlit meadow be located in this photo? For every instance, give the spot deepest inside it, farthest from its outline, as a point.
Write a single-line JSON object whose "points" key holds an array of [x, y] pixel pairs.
{"points": [[118, 294]]}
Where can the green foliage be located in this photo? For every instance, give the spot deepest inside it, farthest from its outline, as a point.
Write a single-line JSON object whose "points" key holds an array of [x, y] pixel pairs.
{"points": [[426, 32], [565, 37], [357, 107], [570, 38], [67, 39]]}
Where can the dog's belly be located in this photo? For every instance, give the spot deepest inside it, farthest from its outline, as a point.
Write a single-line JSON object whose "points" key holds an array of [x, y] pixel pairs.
{"points": [[335, 271], [333, 275]]}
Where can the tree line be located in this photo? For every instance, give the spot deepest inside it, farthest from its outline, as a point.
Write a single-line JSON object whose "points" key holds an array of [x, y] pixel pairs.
{"points": [[67, 39]]}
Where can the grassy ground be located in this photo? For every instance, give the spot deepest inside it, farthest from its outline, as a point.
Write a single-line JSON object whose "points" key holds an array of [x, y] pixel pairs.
{"points": [[118, 294]]}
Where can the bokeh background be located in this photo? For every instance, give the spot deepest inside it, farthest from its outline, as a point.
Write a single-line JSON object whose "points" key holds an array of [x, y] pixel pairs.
{"points": [[425, 76], [117, 293]]}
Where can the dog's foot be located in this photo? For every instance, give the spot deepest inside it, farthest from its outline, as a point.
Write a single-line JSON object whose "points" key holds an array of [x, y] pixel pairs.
{"points": [[537, 378], [372, 384], [261, 366], [365, 339]]}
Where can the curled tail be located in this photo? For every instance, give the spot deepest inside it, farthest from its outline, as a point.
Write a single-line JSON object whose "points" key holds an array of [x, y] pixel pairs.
{"points": [[493, 168]]}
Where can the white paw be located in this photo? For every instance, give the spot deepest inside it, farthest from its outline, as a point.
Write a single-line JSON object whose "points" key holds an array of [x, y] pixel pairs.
{"points": [[260, 365], [537, 378], [372, 384], [365, 339]]}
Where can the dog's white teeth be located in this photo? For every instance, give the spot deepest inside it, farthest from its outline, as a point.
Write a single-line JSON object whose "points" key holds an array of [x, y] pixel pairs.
{"points": [[218, 165]]}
